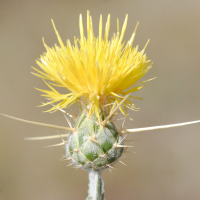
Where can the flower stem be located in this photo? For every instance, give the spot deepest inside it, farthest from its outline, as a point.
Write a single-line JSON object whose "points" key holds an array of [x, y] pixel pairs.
{"points": [[96, 186]]}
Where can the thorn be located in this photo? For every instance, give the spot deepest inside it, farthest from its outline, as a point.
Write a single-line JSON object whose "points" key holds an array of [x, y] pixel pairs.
{"points": [[121, 128], [122, 118], [63, 158], [68, 121], [116, 166], [157, 127], [93, 140], [122, 139], [115, 114], [69, 165], [110, 166], [122, 163], [46, 137], [108, 104], [69, 158], [78, 167], [102, 156], [40, 124], [76, 150], [124, 146], [110, 170], [114, 110], [74, 118], [56, 145], [61, 138]]}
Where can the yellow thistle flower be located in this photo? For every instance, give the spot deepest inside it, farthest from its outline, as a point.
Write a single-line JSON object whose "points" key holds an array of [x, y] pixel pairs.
{"points": [[100, 74], [97, 72]]}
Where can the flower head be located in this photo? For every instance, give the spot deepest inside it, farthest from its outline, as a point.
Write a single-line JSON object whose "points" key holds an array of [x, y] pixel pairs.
{"points": [[98, 72]]}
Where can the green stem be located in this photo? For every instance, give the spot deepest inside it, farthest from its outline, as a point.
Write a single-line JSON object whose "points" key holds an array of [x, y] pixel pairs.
{"points": [[96, 186]]}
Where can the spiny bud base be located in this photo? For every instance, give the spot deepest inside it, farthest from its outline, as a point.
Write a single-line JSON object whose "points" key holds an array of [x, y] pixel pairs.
{"points": [[93, 146]]}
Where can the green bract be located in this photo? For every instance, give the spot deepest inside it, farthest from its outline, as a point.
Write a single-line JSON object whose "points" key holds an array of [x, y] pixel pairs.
{"points": [[92, 146]]}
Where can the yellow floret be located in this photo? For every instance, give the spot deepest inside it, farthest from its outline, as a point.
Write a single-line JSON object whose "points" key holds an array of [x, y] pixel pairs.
{"points": [[97, 72]]}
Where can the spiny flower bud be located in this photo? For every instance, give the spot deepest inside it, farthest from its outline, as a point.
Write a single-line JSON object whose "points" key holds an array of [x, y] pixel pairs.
{"points": [[93, 146], [100, 75]]}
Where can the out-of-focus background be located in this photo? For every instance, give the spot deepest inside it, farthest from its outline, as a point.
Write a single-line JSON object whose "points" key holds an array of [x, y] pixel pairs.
{"points": [[166, 163]]}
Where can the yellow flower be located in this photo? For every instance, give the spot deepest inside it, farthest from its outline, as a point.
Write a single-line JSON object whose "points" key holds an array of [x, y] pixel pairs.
{"points": [[97, 72]]}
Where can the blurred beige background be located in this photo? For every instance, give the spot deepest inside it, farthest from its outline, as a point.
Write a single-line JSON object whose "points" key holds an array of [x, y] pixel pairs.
{"points": [[166, 165]]}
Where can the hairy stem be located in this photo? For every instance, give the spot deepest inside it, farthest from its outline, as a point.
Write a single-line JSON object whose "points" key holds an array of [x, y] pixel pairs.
{"points": [[96, 186]]}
